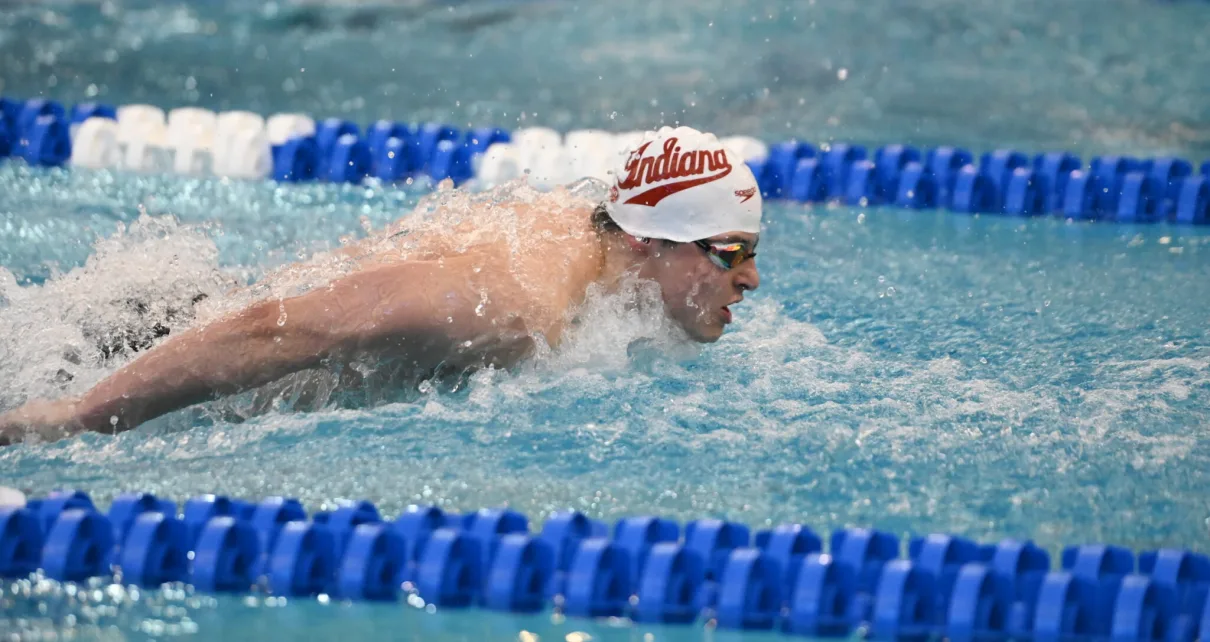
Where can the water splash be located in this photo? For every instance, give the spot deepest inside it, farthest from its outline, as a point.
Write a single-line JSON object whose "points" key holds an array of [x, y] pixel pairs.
{"points": [[142, 283], [618, 329], [160, 276]]}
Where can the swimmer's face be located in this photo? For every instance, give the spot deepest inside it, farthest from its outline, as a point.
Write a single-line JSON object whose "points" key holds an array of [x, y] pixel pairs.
{"points": [[698, 293]]}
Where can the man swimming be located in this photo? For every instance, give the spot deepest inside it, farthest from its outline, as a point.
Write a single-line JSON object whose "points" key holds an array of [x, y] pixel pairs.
{"points": [[473, 292]]}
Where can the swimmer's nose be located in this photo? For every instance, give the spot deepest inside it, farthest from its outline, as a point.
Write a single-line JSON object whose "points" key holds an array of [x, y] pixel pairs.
{"points": [[747, 277]]}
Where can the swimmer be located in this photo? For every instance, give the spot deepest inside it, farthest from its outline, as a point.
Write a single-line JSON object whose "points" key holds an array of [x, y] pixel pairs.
{"points": [[682, 212]]}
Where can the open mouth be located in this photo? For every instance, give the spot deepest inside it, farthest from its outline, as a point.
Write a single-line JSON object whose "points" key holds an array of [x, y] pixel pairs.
{"points": [[726, 314]]}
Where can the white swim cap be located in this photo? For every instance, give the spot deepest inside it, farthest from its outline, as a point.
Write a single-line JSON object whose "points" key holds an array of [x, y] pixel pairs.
{"points": [[683, 185]]}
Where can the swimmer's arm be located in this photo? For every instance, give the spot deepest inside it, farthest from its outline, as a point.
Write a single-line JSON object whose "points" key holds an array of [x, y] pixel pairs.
{"points": [[406, 308], [235, 353]]}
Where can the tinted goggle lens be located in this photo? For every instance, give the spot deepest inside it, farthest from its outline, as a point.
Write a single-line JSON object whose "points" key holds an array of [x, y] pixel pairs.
{"points": [[728, 255]]}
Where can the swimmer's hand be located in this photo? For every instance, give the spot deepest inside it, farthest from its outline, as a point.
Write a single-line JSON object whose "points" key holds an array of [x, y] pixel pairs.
{"points": [[42, 419]]}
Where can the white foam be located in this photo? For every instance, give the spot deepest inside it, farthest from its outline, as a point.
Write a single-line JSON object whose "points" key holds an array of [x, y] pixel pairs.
{"points": [[51, 334]]}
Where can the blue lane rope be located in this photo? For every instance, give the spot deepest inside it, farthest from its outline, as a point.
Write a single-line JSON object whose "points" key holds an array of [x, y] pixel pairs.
{"points": [[1006, 182], [646, 568]]}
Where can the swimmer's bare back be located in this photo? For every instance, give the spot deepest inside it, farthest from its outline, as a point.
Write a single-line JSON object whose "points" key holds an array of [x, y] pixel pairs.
{"points": [[478, 308]]}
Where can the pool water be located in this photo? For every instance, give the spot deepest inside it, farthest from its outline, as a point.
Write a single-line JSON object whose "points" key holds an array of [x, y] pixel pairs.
{"points": [[911, 371]]}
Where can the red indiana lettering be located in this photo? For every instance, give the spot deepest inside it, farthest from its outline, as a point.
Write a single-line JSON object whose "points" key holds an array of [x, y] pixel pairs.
{"points": [[646, 170]]}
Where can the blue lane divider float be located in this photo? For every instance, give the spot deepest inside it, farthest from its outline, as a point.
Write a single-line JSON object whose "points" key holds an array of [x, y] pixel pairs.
{"points": [[646, 568], [35, 130], [38, 131], [1006, 182]]}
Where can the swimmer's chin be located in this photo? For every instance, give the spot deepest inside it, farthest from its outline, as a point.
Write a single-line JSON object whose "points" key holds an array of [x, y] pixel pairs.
{"points": [[707, 335]]}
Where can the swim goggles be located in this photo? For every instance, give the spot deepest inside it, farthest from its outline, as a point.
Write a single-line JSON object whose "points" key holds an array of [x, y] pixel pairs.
{"points": [[726, 255]]}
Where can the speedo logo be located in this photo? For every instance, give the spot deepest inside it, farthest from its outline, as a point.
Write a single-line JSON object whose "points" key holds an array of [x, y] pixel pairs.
{"points": [[642, 170]]}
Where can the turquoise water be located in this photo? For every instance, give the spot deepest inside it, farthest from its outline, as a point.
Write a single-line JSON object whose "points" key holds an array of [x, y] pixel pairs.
{"points": [[913, 371], [1117, 76]]}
